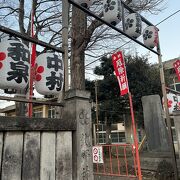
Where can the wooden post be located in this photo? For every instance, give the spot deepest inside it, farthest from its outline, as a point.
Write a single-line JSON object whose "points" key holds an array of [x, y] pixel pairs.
{"points": [[163, 85], [65, 24], [97, 114], [32, 63]]}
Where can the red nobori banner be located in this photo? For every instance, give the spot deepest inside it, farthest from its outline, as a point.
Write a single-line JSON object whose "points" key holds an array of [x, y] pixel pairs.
{"points": [[176, 65], [120, 71]]}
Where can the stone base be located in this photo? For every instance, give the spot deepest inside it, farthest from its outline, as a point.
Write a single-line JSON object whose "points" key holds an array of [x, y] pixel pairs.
{"points": [[150, 160], [97, 177]]}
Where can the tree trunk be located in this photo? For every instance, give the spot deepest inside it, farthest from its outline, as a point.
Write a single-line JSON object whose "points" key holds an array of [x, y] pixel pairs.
{"points": [[108, 130], [79, 26]]}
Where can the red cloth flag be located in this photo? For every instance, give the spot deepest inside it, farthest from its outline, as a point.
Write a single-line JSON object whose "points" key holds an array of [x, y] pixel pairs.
{"points": [[120, 71], [176, 65]]}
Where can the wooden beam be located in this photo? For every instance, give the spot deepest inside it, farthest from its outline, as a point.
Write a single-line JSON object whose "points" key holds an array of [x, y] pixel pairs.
{"points": [[35, 124], [31, 101]]}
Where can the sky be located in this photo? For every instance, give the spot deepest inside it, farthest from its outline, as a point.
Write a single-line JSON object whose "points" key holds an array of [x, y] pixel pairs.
{"points": [[169, 32]]}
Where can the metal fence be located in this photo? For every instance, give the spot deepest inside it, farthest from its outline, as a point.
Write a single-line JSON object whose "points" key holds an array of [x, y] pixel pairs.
{"points": [[118, 160]]}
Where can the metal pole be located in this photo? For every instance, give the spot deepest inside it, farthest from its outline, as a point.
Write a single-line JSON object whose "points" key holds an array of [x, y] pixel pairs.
{"points": [[168, 121], [18, 99], [30, 39], [97, 120], [65, 23], [135, 138], [123, 19], [32, 64]]}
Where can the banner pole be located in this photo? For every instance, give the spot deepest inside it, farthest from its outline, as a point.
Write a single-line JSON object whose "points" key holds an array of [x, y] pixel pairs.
{"points": [[135, 137], [32, 65], [120, 71]]}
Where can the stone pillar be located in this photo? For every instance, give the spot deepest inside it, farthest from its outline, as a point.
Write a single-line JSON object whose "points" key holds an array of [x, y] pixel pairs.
{"points": [[78, 108], [154, 123], [177, 128]]}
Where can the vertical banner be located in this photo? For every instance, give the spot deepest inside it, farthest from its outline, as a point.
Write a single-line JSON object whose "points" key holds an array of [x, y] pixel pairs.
{"points": [[176, 65], [120, 71]]}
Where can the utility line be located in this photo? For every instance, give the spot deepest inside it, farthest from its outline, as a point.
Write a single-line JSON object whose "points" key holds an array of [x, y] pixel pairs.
{"points": [[131, 40], [106, 54], [168, 17]]}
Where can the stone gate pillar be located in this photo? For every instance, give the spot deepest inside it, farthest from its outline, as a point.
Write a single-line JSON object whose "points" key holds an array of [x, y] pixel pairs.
{"points": [[154, 123], [78, 109]]}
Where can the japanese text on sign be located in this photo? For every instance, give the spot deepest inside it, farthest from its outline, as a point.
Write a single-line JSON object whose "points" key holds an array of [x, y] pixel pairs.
{"points": [[98, 154], [19, 69], [120, 71], [55, 79], [173, 102]]}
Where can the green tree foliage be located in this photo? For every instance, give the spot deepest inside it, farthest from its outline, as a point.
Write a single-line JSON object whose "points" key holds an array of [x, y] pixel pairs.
{"points": [[143, 80]]}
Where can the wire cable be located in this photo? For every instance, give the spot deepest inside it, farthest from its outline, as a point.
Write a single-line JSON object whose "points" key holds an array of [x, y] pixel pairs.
{"points": [[168, 17], [131, 40]]}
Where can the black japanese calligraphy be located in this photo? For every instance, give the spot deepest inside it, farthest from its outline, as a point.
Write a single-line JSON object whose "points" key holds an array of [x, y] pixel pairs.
{"points": [[54, 80], [19, 72], [176, 107], [17, 52], [54, 62], [175, 98]]}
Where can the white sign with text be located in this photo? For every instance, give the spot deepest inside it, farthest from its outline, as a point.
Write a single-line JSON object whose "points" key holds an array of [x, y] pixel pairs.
{"points": [[97, 154]]}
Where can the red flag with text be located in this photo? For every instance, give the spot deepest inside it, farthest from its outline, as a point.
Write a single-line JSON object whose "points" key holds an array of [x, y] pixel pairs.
{"points": [[120, 71], [176, 65]]}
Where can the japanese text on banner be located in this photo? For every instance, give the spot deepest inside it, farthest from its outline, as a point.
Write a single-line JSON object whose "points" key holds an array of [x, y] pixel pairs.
{"points": [[120, 71]]}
